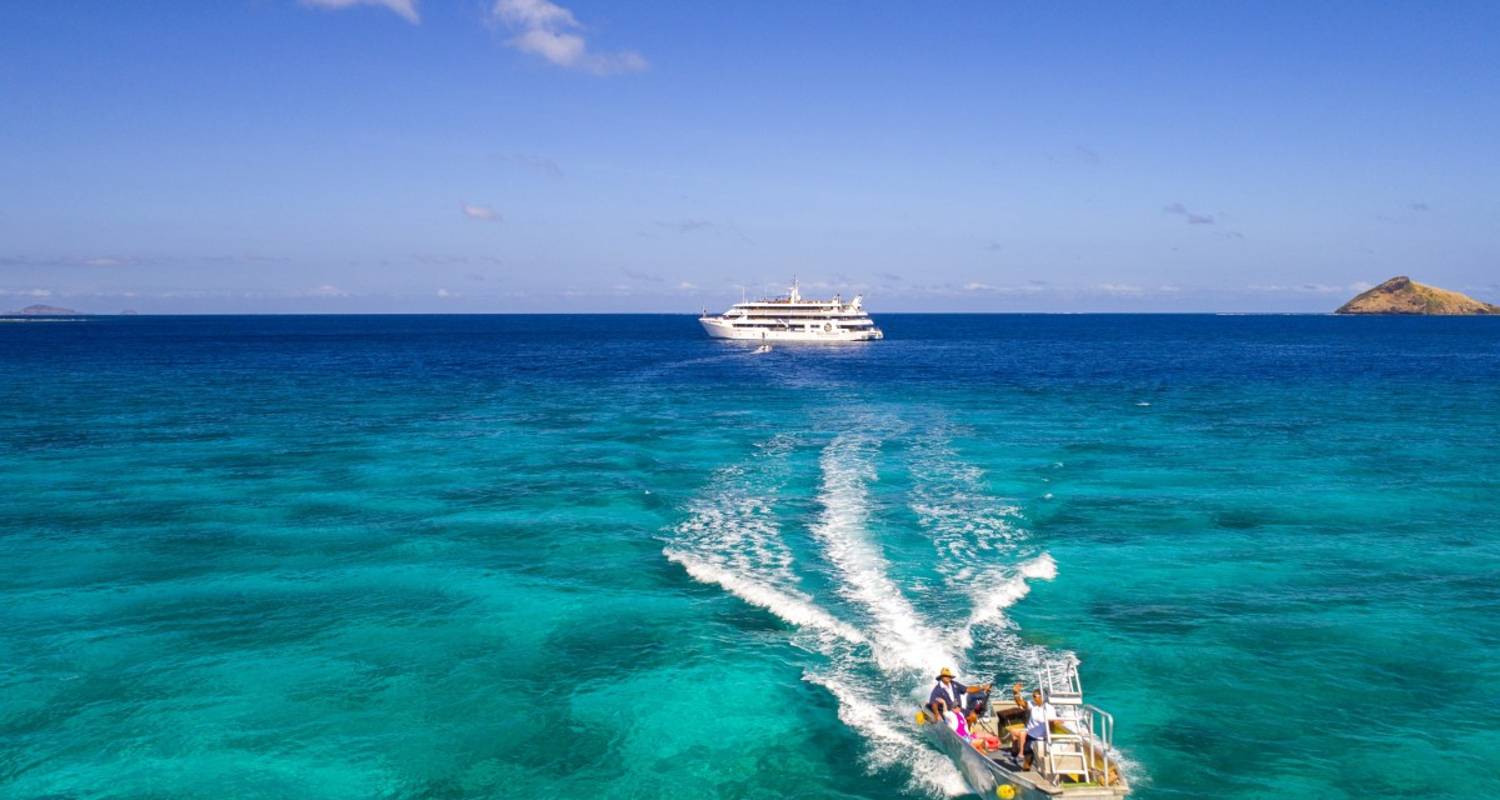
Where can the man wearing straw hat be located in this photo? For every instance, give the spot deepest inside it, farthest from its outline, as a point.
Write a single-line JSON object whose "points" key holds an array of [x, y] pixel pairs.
{"points": [[953, 693]]}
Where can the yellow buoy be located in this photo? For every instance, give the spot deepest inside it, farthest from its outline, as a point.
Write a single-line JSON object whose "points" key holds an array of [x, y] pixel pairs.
{"points": [[1005, 791]]}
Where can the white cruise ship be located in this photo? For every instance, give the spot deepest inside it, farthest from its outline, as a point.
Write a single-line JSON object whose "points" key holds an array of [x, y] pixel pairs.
{"points": [[793, 319]]}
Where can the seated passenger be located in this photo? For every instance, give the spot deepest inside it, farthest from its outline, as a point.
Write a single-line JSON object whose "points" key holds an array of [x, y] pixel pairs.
{"points": [[1038, 712], [954, 694], [954, 719], [982, 740]]}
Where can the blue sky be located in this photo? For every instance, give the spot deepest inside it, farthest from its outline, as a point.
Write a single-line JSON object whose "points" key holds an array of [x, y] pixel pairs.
{"points": [[523, 155]]}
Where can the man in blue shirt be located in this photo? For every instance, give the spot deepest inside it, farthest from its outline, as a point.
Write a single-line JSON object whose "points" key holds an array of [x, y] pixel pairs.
{"points": [[955, 694]]}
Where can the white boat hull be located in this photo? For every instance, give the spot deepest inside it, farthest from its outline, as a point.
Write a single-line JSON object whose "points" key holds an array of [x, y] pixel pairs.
{"points": [[986, 775], [719, 328]]}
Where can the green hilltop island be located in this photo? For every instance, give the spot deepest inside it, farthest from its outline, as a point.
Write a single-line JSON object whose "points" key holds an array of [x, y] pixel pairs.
{"points": [[1402, 295]]}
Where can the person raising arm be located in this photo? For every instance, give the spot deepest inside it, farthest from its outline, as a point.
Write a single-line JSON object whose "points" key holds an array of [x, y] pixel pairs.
{"points": [[1038, 712]]}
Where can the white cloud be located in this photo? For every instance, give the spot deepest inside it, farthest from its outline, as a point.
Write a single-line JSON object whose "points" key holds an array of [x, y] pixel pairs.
{"points": [[102, 262], [481, 213], [326, 290], [534, 14], [25, 292], [548, 30], [446, 293], [406, 9], [1118, 289], [563, 49], [975, 286], [687, 285], [1311, 288]]}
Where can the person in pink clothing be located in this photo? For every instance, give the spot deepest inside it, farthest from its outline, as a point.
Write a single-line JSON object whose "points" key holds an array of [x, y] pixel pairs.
{"points": [[954, 719]]}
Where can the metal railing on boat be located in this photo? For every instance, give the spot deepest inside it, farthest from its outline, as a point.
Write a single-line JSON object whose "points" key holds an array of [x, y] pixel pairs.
{"points": [[1088, 745]]}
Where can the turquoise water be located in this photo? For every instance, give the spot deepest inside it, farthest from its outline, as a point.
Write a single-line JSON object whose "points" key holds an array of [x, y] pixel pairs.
{"points": [[454, 557]]}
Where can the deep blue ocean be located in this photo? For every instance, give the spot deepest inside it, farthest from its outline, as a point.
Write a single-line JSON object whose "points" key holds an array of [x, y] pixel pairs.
{"points": [[606, 557]]}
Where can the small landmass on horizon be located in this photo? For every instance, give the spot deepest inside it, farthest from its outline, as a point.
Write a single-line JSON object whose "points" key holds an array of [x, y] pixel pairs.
{"points": [[45, 311], [1402, 295]]}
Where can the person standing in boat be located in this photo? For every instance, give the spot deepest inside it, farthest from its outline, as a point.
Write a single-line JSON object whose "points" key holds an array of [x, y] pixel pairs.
{"points": [[955, 695], [1038, 713]]}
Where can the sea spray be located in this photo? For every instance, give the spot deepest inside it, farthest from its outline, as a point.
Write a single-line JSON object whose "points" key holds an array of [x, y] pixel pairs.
{"points": [[888, 740], [977, 540], [790, 606], [903, 640]]}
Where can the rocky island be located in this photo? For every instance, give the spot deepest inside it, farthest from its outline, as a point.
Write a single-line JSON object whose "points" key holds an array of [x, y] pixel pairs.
{"points": [[45, 311], [1402, 295]]}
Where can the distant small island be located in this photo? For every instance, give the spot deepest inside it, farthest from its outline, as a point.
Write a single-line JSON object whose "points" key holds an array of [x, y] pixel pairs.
{"points": [[45, 311], [1402, 295]]}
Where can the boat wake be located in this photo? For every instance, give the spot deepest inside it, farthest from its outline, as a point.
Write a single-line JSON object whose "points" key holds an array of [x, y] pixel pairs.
{"points": [[874, 651], [982, 551]]}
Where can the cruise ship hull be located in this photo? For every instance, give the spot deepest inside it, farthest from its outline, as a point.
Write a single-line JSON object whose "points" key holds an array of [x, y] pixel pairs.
{"points": [[720, 328]]}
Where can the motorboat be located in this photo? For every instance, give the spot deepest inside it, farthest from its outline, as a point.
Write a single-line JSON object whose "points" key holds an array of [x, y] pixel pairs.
{"points": [[1077, 761]]}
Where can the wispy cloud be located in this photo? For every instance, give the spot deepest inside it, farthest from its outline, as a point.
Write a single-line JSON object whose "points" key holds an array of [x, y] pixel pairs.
{"points": [[25, 292], [548, 30], [541, 164], [481, 213], [1420, 207], [686, 225], [406, 9], [1031, 287], [1118, 289], [326, 290], [449, 259], [1312, 288], [246, 259], [1192, 218], [63, 261], [636, 275]]}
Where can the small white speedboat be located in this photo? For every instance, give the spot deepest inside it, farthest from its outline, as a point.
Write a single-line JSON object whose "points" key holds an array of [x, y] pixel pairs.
{"points": [[765, 348], [1077, 762]]}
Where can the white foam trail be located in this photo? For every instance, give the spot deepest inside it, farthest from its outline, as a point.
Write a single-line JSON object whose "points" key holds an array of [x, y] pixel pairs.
{"points": [[793, 607], [733, 522], [730, 540], [989, 603], [974, 536], [901, 640], [889, 743], [969, 528]]}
